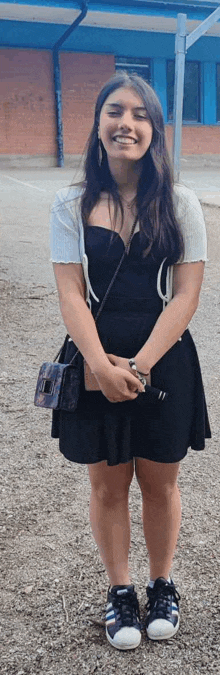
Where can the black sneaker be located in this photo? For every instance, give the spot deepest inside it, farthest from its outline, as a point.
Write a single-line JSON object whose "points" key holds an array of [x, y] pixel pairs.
{"points": [[162, 610], [122, 618]]}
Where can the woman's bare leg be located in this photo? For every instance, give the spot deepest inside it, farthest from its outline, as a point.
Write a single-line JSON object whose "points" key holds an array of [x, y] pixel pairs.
{"points": [[109, 517], [161, 513]]}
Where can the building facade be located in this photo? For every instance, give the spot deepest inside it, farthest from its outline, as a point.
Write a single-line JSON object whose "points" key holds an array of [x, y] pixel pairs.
{"points": [[134, 35]]}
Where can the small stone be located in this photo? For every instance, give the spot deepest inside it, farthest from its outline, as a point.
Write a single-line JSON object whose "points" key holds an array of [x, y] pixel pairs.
{"points": [[28, 589], [205, 660]]}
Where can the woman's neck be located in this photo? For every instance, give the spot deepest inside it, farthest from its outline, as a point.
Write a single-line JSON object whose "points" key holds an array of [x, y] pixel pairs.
{"points": [[126, 175]]}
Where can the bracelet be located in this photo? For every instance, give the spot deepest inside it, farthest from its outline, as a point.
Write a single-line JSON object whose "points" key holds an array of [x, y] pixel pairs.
{"points": [[132, 365], [141, 376]]}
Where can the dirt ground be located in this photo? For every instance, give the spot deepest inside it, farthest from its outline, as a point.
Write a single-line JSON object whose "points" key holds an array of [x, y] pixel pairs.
{"points": [[53, 581]]}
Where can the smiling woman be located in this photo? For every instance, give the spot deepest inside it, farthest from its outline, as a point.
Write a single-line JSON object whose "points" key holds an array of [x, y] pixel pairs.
{"points": [[128, 196], [122, 171], [124, 125]]}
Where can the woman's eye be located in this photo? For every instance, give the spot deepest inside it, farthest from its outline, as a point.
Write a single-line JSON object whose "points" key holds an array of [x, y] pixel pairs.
{"points": [[118, 113]]}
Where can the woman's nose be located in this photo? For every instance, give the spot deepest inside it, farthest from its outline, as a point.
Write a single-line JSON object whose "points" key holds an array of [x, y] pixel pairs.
{"points": [[126, 121]]}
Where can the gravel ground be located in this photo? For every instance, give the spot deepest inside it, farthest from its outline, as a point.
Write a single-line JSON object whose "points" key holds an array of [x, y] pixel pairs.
{"points": [[53, 581]]}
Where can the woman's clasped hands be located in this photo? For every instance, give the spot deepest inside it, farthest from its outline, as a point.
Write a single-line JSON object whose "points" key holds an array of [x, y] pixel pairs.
{"points": [[117, 382]]}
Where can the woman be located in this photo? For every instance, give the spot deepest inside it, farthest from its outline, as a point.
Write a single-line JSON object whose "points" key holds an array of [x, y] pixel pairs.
{"points": [[119, 429]]}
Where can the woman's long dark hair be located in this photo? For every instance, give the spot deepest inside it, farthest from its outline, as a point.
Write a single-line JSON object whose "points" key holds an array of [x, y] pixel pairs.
{"points": [[154, 201]]}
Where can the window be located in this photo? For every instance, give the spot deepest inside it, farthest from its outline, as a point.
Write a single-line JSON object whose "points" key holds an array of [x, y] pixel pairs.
{"points": [[218, 92], [191, 101], [132, 64]]}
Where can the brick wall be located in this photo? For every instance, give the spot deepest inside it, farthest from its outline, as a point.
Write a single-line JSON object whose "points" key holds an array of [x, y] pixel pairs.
{"points": [[200, 140], [27, 118], [27, 124], [83, 75]]}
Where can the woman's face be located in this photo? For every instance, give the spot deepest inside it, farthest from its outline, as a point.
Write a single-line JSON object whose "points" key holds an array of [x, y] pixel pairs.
{"points": [[124, 127]]}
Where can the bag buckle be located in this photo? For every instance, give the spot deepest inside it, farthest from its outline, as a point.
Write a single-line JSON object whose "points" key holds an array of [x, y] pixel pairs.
{"points": [[47, 386]]}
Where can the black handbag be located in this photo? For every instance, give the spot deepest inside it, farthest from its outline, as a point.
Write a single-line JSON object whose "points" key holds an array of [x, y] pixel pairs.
{"points": [[58, 384]]}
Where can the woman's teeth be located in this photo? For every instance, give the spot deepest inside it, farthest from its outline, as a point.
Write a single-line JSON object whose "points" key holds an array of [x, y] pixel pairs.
{"points": [[124, 140]]}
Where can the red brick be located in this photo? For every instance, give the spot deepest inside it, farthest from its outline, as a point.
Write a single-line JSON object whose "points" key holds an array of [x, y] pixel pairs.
{"points": [[197, 140]]}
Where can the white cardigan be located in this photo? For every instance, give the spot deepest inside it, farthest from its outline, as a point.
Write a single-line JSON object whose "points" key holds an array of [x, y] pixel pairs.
{"points": [[67, 234]]}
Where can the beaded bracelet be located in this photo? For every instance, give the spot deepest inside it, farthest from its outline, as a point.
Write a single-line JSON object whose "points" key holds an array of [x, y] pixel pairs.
{"points": [[141, 376]]}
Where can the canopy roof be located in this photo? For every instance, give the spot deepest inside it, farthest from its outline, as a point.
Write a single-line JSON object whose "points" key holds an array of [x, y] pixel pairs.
{"points": [[139, 15]]}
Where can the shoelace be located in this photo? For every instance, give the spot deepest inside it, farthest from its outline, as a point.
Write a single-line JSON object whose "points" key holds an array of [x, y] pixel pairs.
{"points": [[159, 598], [127, 607]]}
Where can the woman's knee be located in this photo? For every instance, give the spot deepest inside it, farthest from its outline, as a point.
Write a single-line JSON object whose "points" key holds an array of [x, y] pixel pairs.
{"points": [[157, 483], [159, 495], [108, 496], [111, 487]]}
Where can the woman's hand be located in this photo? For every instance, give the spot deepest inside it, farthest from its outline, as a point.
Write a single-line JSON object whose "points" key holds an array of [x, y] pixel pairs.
{"points": [[118, 384], [123, 363]]}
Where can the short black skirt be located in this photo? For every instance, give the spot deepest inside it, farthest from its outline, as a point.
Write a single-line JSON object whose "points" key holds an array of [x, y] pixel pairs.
{"points": [[159, 431]]}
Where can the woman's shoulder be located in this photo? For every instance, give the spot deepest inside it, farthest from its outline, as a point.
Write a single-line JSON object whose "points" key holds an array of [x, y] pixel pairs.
{"points": [[68, 196], [185, 200], [66, 229], [191, 220]]}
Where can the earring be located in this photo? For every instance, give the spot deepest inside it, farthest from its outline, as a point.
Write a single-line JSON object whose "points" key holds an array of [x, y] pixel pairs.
{"points": [[99, 152]]}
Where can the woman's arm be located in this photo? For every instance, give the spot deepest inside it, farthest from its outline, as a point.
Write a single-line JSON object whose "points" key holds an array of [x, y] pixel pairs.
{"points": [[176, 316], [114, 383], [76, 314]]}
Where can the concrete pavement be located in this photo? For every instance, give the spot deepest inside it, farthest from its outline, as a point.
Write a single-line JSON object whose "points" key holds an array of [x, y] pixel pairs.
{"points": [[202, 174]]}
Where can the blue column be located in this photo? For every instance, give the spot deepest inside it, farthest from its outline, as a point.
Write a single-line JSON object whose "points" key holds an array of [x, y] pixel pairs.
{"points": [[160, 82], [210, 97], [58, 107]]}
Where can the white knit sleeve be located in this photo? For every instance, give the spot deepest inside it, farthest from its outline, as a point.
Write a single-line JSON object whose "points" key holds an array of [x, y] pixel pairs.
{"points": [[190, 217], [66, 230]]}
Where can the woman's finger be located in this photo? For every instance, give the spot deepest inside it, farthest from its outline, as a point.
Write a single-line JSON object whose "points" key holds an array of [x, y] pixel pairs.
{"points": [[137, 385]]}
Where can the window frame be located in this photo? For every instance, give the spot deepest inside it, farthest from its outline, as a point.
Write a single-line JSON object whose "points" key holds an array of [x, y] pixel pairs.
{"points": [[217, 87], [129, 63], [188, 122]]}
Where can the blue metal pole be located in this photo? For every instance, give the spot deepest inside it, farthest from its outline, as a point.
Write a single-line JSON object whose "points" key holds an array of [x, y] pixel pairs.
{"points": [[183, 42], [58, 83], [58, 108], [180, 51]]}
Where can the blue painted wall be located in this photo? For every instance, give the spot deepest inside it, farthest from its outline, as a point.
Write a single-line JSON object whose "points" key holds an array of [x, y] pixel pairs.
{"points": [[103, 40], [210, 93]]}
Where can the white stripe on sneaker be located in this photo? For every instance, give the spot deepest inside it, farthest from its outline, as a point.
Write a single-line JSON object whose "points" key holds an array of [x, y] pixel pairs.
{"points": [[109, 615]]}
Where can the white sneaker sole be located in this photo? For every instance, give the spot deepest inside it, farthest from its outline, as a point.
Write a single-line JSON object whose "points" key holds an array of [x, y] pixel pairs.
{"points": [[124, 647]]}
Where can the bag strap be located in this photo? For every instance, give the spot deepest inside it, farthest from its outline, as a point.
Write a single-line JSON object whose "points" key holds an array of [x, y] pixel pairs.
{"points": [[127, 246], [116, 272]]}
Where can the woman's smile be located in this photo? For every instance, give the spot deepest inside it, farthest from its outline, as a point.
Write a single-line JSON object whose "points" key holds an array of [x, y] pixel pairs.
{"points": [[124, 140]]}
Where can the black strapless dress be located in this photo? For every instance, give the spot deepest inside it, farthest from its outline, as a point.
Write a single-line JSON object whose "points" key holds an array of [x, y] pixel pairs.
{"points": [[117, 432]]}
